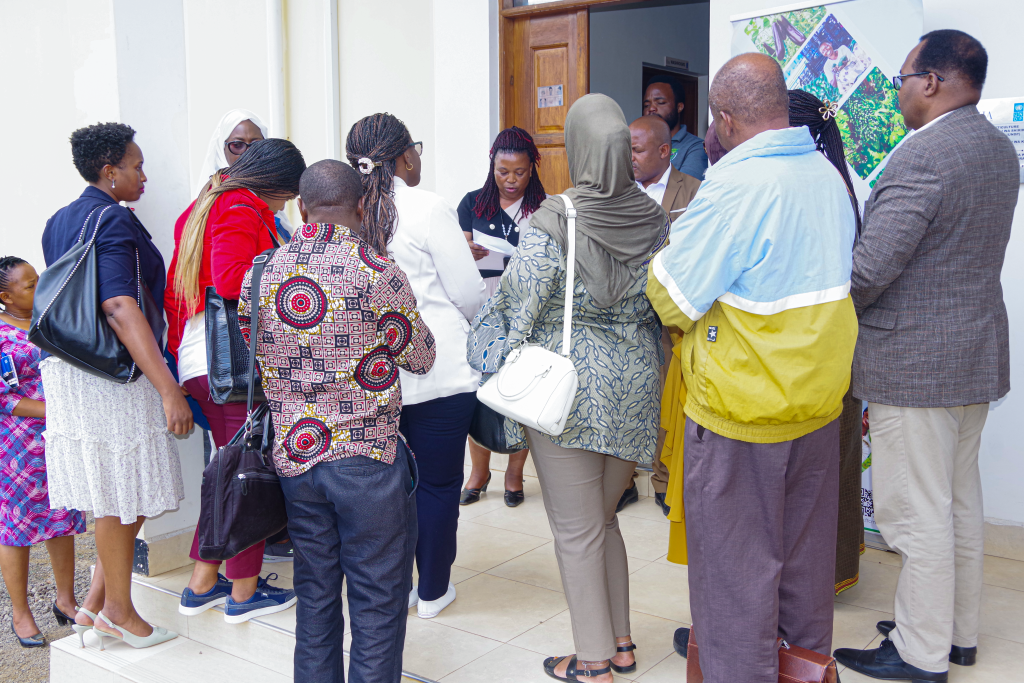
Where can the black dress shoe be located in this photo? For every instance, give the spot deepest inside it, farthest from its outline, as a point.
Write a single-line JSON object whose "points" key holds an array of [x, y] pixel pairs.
{"points": [[61, 618], [659, 498], [514, 498], [681, 641], [961, 656], [630, 495], [885, 663], [33, 641], [470, 496]]}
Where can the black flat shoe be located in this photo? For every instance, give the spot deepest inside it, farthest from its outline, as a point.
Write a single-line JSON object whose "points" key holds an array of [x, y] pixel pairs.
{"points": [[961, 656], [630, 495], [659, 498], [34, 641], [470, 496], [61, 618], [514, 498], [681, 641], [629, 668], [886, 663], [571, 672]]}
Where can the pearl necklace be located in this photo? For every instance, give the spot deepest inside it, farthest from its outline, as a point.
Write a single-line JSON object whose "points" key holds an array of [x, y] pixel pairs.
{"points": [[501, 219]]}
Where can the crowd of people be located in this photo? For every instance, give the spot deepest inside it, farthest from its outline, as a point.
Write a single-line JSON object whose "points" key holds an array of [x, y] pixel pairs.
{"points": [[732, 308]]}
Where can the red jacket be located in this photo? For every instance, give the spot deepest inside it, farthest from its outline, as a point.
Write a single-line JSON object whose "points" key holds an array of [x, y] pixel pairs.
{"points": [[234, 236]]}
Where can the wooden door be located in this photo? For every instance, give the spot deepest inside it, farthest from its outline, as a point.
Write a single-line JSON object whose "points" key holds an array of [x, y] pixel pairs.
{"points": [[545, 51]]}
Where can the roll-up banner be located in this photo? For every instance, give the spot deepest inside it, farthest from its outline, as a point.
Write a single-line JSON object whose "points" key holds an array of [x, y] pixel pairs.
{"points": [[845, 53]]}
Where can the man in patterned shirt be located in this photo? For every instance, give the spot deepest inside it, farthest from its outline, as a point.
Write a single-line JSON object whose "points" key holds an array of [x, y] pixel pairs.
{"points": [[336, 321]]}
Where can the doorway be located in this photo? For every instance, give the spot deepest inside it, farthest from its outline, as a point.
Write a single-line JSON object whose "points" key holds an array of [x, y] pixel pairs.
{"points": [[552, 54]]}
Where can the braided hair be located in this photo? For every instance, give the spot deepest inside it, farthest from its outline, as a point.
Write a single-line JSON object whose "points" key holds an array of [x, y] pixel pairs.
{"points": [[269, 168], [807, 110], [381, 138], [511, 140], [8, 264]]}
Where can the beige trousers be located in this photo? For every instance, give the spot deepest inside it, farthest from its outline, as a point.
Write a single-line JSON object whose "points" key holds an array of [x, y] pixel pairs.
{"points": [[581, 490], [928, 506]]}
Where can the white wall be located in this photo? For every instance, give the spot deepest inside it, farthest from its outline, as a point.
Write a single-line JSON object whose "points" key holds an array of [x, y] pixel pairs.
{"points": [[1002, 453], [59, 75], [622, 39]]}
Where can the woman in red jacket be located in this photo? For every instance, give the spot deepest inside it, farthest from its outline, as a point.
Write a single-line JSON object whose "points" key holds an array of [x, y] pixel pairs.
{"points": [[215, 241]]}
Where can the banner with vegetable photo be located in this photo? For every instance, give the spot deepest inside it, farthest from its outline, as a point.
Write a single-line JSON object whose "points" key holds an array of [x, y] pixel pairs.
{"points": [[827, 50]]}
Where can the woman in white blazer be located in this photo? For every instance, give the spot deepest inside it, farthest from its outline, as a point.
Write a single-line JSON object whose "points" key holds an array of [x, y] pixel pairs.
{"points": [[420, 231]]}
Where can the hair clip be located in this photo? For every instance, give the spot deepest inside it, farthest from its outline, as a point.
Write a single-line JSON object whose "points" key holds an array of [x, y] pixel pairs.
{"points": [[366, 165], [829, 111]]}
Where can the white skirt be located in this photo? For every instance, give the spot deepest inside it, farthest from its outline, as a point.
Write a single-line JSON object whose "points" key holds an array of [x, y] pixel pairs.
{"points": [[491, 283], [107, 445]]}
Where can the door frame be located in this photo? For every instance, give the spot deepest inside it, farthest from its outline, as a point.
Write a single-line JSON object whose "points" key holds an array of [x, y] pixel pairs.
{"points": [[506, 15]]}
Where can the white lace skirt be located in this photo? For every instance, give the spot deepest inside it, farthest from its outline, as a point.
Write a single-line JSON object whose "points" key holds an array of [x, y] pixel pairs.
{"points": [[107, 445]]}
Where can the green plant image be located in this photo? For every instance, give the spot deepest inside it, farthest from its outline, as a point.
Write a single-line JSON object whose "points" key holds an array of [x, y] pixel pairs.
{"points": [[822, 89], [762, 35], [871, 123]]}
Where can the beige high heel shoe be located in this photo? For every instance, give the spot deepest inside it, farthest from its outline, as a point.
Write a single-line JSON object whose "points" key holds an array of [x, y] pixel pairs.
{"points": [[159, 635]]}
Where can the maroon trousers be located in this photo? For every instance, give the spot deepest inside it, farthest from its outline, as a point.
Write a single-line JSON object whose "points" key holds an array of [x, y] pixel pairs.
{"points": [[761, 534], [225, 421]]}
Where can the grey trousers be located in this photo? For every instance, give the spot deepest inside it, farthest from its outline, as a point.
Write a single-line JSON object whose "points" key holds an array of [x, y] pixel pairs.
{"points": [[928, 505], [581, 490], [761, 533]]}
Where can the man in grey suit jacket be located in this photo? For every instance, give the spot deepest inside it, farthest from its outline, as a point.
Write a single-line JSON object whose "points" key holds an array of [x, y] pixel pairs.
{"points": [[933, 351]]}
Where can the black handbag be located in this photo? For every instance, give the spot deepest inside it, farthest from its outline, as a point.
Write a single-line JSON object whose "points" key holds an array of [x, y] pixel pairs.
{"points": [[241, 500], [67, 320], [226, 355], [488, 430]]}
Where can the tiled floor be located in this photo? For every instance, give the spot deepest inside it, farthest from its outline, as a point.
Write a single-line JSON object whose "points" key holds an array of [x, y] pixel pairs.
{"points": [[511, 613]]}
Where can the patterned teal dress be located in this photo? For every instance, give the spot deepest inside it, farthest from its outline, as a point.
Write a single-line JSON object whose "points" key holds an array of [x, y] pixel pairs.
{"points": [[616, 350]]}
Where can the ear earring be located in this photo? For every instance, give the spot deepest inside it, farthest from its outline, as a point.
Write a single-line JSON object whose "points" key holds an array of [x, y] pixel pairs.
{"points": [[408, 166], [113, 184]]}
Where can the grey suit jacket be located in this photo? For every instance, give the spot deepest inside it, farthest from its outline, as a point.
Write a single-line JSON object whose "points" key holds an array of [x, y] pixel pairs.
{"points": [[933, 328]]}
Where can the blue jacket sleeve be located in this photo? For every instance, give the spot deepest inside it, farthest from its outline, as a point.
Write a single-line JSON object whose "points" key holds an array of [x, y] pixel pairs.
{"points": [[115, 255]]}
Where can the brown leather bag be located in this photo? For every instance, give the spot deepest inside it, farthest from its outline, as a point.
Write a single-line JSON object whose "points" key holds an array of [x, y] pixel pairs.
{"points": [[796, 664]]}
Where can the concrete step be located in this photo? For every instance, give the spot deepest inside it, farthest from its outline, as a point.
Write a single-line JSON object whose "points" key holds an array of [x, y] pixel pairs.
{"points": [[260, 650]]}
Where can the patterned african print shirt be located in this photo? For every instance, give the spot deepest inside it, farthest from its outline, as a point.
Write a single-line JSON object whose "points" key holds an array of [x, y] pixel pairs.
{"points": [[336, 321]]}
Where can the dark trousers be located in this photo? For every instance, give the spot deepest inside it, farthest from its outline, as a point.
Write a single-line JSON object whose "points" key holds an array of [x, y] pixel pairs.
{"points": [[437, 432], [352, 519], [761, 533]]}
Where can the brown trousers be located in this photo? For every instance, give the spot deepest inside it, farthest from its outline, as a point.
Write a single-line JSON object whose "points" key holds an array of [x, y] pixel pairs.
{"points": [[761, 529]]}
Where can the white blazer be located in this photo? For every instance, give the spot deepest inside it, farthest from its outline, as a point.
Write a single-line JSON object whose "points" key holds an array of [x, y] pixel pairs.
{"points": [[431, 248]]}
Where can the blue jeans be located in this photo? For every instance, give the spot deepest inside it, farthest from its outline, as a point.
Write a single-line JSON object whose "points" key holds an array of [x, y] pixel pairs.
{"points": [[437, 432], [352, 519]]}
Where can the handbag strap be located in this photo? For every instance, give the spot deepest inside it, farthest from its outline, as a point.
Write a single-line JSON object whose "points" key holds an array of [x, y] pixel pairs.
{"points": [[254, 326], [570, 276], [273, 234]]}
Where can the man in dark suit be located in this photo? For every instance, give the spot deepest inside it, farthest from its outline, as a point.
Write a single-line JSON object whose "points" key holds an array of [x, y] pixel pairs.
{"points": [[651, 140], [933, 351]]}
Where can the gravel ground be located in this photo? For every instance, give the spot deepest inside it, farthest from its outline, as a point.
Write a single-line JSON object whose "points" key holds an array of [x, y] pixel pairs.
{"points": [[33, 665]]}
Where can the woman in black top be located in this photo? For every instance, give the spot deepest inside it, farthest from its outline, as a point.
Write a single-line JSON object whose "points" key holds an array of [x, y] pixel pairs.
{"points": [[109, 446], [497, 214]]}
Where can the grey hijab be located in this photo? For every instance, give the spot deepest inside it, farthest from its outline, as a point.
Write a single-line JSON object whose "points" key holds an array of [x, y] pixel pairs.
{"points": [[617, 225]]}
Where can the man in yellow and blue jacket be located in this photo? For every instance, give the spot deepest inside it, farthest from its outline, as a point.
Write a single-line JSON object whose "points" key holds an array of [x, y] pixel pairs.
{"points": [[757, 276]]}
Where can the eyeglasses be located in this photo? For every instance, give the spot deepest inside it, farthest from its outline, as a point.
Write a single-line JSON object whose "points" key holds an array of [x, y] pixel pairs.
{"points": [[897, 81], [238, 147], [418, 146]]}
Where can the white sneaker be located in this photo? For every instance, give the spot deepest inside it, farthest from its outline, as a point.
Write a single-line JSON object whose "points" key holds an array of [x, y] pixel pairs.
{"points": [[428, 609], [414, 597]]}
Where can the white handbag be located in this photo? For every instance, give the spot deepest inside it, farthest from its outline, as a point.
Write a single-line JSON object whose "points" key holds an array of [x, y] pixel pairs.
{"points": [[535, 386]]}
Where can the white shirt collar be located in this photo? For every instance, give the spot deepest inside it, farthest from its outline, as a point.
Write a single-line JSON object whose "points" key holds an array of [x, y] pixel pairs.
{"points": [[663, 181], [934, 121]]}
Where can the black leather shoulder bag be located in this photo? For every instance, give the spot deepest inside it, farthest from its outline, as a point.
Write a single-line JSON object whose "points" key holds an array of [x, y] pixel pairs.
{"points": [[67, 319], [241, 500], [227, 365]]}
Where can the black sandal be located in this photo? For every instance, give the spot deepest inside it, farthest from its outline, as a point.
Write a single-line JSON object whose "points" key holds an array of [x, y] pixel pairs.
{"points": [[629, 668], [470, 496], [571, 671]]}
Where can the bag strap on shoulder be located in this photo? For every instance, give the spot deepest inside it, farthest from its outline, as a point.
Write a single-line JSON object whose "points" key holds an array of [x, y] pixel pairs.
{"points": [[258, 264], [570, 274], [273, 233]]}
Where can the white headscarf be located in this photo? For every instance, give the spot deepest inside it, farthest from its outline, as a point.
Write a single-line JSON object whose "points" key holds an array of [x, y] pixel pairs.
{"points": [[215, 158]]}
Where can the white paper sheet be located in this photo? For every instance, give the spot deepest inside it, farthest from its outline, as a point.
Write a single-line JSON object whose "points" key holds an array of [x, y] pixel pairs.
{"points": [[492, 243]]}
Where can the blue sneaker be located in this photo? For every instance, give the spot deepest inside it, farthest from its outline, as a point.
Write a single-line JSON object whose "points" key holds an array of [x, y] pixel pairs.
{"points": [[197, 603], [266, 600]]}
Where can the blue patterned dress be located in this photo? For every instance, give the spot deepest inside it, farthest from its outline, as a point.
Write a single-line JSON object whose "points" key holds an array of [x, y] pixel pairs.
{"points": [[25, 514], [616, 350]]}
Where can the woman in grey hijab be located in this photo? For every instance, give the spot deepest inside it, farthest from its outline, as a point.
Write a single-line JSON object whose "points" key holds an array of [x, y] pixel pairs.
{"points": [[616, 350]]}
